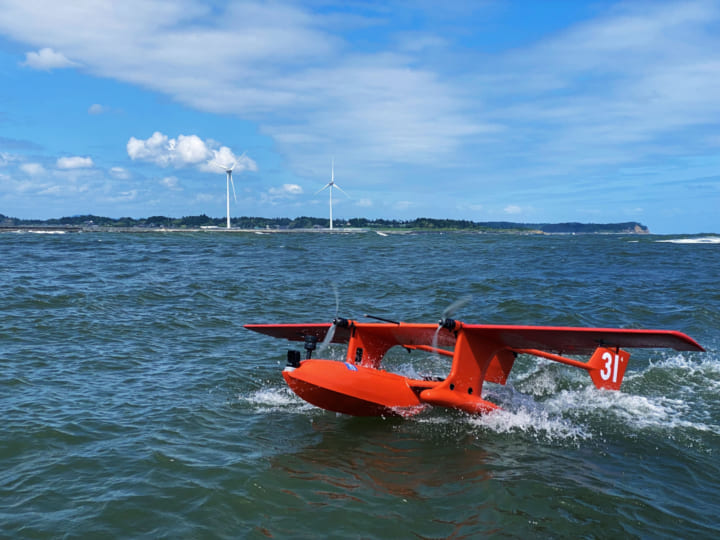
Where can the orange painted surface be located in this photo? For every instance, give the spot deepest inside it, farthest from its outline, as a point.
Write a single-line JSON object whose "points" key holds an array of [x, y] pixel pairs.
{"points": [[346, 388], [607, 367], [479, 353]]}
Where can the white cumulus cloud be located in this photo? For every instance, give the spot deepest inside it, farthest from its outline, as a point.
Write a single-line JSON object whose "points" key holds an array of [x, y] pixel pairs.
{"points": [[189, 149], [286, 190], [47, 59], [225, 157], [186, 150], [74, 162], [155, 149]]}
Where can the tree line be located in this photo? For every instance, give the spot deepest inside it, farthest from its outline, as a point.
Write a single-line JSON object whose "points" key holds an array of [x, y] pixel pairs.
{"points": [[306, 222]]}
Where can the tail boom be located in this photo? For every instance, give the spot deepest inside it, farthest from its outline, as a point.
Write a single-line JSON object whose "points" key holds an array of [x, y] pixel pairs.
{"points": [[606, 366]]}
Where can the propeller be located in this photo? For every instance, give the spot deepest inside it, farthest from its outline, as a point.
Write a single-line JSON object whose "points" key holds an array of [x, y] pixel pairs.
{"points": [[445, 320], [331, 331]]}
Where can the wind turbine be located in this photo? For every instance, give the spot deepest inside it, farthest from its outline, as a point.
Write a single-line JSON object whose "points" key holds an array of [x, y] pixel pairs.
{"points": [[331, 184], [228, 172]]}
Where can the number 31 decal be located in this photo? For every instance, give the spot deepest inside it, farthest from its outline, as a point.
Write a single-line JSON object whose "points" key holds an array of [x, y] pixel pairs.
{"points": [[612, 362], [607, 367]]}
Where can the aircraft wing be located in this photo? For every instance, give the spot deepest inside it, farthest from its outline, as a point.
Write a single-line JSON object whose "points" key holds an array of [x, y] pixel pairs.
{"points": [[572, 340], [558, 339], [399, 334], [297, 332]]}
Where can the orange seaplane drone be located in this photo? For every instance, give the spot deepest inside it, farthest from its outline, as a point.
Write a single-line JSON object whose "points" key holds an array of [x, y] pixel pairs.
{"points": [[479, 352]]}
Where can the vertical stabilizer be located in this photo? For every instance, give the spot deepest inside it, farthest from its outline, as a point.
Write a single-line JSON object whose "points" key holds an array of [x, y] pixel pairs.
{"points": [[607, 367]]}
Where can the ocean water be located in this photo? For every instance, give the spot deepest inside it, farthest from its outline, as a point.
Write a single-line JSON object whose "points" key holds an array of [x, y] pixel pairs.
{"points": [[134, 403]]}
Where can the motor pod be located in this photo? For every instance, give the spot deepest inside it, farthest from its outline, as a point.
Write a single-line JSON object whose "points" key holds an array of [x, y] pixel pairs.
{"points": [[450, 324], [293, 359], [310, 345], [342, 323]]}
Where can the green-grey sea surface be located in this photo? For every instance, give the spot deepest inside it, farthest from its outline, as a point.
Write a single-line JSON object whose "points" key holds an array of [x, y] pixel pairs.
{"points": [[135, 405]]}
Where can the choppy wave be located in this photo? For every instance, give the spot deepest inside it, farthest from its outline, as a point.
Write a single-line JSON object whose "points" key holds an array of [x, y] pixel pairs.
{"points": [[537, 421], [694, 240], [554, 403], [39, 232], [135, 404], [275, 400]]}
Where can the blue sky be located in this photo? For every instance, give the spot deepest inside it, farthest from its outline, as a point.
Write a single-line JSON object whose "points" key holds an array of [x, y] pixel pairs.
{"points": [[597, 111]]}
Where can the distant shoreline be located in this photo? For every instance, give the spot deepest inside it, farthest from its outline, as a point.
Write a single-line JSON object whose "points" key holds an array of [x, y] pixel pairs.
{"points": [[63, 229], [304, 224]]}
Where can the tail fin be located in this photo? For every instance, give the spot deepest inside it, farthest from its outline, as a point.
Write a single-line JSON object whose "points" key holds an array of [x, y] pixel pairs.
{"points": [[607, 367]]}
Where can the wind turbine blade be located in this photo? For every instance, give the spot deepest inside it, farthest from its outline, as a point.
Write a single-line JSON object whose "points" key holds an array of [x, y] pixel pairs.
{"points": [[341, 190], [233, 165], [213, 162], [233, 186], [323, 189]]}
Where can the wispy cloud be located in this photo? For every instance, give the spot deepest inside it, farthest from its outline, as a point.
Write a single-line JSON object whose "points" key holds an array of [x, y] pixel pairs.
{"points": [[120, 173], [286, 190], [96, 108], [125, 196], [74, 162], [276, 63], [609, 91], [170, 182], [32, 169], [595, 94]]}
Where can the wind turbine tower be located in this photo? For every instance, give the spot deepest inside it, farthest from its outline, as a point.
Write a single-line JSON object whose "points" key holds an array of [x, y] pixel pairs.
{"points": [[228, 172], [331, 184]]}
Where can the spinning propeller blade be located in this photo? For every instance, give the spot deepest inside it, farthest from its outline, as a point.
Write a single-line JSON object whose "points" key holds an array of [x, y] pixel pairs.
{"points": [[454, 307], [331, 331], [445, 317]]}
